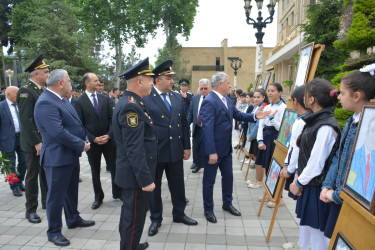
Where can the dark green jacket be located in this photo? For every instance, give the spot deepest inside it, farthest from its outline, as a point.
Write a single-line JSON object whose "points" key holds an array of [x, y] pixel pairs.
{"points": [[26, 99]]}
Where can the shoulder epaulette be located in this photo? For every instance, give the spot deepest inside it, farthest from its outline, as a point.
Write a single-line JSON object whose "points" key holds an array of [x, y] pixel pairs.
{"points": [[131, 100]]}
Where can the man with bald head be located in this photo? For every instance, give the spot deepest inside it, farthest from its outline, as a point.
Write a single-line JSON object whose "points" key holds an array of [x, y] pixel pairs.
{"points": [[95, 111], [10, 137]]}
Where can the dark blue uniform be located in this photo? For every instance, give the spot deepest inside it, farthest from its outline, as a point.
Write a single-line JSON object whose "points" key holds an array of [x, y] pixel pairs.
{"points": [[135, 165]]}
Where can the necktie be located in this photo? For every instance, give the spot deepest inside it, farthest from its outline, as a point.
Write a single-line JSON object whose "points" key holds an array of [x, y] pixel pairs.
{"points": [[225, 102], [367, 170], [15, 107], [67, 103], [95, 103], [164, 95], [199, 119]]}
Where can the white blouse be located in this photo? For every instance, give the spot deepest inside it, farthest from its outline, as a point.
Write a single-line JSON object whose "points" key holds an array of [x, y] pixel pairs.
{"points": [[275, 121]]}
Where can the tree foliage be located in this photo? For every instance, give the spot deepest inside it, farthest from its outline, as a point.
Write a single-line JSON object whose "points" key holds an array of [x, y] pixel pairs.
{"points": [[51, 27], [361, 34], [323, 28]]}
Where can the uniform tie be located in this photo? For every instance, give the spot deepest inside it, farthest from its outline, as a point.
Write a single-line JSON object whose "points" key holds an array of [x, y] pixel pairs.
{"points": [[95, 103], [164, 95]]}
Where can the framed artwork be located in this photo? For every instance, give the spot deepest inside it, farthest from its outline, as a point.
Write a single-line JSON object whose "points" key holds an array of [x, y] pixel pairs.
{"points": [[303, 65], [286, 127], [247, 146], [266, 80], [273, 177], [360, 177], [257, 81], [341, 243]]}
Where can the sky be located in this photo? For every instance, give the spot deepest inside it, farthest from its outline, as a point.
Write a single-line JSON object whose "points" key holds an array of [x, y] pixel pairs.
{"points": [[215, 21]]}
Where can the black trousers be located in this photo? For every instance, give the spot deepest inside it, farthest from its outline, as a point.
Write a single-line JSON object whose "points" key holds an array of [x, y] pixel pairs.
{"points": [[133, 216], [31, 181], [196, 141], [175, 176], [95, 156]]}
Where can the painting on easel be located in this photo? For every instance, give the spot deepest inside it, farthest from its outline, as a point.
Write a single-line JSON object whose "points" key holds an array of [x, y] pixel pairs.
{"points": [[286, 127], [341, 243], [303, 65], [273, 177]]}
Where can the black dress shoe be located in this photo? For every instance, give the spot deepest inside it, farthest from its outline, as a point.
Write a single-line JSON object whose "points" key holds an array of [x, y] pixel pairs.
{"points": [[186, 220], [117, 197], [192, 166], [153, 229], [60, 240], [235, 147], [16, 191], [33, 218], [210, 216], [196, 169], [142, 246], [43, 206], [22, 187], [232, 210], [80, 179], [96, 204], [83, 223]]}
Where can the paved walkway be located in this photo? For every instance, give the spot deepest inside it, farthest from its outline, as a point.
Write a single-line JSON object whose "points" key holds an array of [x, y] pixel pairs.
{"points": [[230, 232]]}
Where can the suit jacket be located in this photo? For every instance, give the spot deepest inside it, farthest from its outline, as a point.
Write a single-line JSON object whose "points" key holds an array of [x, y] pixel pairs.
{"points": [[193, 112], [26, 100], [7, 130], [136, 143], [217, 123], [62, 131], [171, 128], [95, 124]]}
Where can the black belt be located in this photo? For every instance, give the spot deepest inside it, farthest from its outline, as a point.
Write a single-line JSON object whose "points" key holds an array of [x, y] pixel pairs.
{"points": [[17, 133]]}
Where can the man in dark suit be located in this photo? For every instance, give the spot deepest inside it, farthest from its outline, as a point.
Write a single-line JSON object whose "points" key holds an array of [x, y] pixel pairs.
{"points": [[217, 113], [30, 138], [95, 111], [63, 143], [172, 132], [194, 117], [10, 138], [136, 154], [186, 96]]}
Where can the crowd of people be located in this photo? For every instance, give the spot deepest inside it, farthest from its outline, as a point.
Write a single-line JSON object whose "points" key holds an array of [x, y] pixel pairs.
{"points": [[145, 131]]}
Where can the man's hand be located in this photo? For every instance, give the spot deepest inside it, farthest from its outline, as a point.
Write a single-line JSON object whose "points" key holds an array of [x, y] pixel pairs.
{"points": [[239, 127], [149, 188], [262, 146], [87, 146], [38, 148], [260, 114], [105, 138], [186, 154], [212, 159], [184, 94], [101, 140]]}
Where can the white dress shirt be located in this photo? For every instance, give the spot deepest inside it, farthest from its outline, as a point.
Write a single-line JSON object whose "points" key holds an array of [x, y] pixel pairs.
{"points": [[91, 99], [275, 122], [14, 116], [167, 96]]}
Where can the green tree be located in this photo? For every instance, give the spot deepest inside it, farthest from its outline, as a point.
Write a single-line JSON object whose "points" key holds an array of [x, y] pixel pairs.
{"points": [[5, 11], [361, 34], [51, 27], [323, 28], [119, 22]]}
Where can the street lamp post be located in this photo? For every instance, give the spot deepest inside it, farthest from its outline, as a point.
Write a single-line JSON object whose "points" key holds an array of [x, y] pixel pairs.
{"points": [[259, 25], [9, 73], [235, 63]]}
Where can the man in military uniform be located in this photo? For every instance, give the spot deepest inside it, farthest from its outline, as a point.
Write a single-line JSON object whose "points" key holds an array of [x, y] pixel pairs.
{"points": [[31, 140], [172, 131], [136, 154], [186, 96]]}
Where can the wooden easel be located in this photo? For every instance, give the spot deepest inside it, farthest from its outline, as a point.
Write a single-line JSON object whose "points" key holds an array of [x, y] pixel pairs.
{"points": [[243, 161], [280, 151]]}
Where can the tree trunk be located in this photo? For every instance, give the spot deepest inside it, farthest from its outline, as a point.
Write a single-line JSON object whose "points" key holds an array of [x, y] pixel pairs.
{"points": [[3, 62], [118, 49]]}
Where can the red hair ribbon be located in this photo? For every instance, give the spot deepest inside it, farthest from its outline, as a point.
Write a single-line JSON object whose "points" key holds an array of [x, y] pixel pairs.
{"points": [[333, 92]]}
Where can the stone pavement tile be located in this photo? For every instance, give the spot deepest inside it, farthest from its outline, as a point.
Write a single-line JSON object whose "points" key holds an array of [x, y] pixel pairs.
{"points": [[11, 247], [196, 238], [113, 226], [213, 229], [159, 237], [176, 238], [258, 241], [276, 248], [266, 223], [254, 231], [215, 247], [113, 218], [94, 244], [236, 240], [275, 232], [198, 229], [99, 217], [110, 245], [290, 232], [102, 235], [33, 231], [156, 246], [115, 236], [190, 246], [217, 239], [234, 231], [276, 241], [251, 223], [236, 247], [20, 240], [85, 233], [234, 222], [180, 228], [4, 239], [68, 233], [287, 224], [174, 246], [37, 241], [257, 248], [16, 230], [29, 248], [12, 222]]}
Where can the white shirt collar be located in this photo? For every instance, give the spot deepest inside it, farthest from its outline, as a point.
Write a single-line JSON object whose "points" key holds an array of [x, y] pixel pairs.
{"points": [[89, 94], [9, 102], [55, 93], [158, 91], [219, 95], [39, 86], [356, 117]]}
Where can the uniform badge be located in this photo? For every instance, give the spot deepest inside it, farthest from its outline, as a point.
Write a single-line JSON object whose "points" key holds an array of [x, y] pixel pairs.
{"points": [[132, 120], [24, 95]]}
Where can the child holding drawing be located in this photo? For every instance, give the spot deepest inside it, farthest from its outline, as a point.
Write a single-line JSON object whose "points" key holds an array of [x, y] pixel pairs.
{"points": [[356, 89], [317, 144]]}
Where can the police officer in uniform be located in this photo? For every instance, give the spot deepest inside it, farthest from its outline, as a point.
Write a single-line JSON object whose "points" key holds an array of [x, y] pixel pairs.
{"points": [[172, 131], [136, 154], [31, 140], [186, 96]]}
